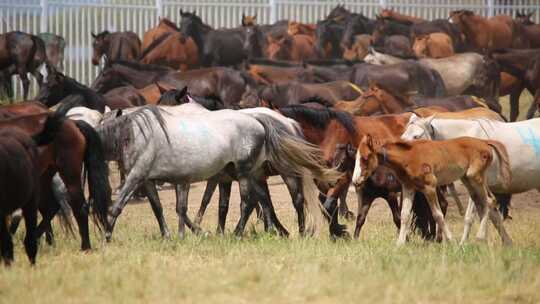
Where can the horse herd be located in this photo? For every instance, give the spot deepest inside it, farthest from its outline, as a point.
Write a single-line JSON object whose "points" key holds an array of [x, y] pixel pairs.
{"points": [[399, 106]]}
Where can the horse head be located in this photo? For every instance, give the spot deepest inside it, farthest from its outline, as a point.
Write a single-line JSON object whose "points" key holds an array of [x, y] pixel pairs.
{"points": [[52, 90], [249, 20], [418, 128], [99, 46]]}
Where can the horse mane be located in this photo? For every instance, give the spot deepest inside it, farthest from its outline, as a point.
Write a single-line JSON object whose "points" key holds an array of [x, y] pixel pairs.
{"points": [[103, 34], [317, 99], [141, 66], [169, 23], [87, 93], [319, 118], [154, 44]]}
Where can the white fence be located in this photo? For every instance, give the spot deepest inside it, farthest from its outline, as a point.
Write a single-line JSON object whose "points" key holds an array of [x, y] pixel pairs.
{"points": [[76, 19]]}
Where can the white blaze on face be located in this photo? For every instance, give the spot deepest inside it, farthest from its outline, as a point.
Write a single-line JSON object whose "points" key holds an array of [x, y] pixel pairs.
{"points": [[357, 173]]}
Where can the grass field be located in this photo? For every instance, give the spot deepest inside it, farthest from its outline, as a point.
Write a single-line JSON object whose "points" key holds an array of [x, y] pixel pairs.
{"points": [[140, 267]]}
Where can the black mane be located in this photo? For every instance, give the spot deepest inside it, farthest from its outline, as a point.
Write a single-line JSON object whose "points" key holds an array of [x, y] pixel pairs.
{"points": [[320, 118]]}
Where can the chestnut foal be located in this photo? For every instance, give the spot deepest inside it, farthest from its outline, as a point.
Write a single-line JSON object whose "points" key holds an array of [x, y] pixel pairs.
{"points": [[422, 165]]}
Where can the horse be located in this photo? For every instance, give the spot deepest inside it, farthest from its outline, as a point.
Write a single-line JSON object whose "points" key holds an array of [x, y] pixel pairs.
{"points": [[328, 35], [164, 26], [20, 54], [59, 88], [172, 49], [484, 34], [255, 42], [295, 48], [264, 74], [339, 14], [172, 133], [280, 95], [393, 36], [115, 46], [334, 131], [518, 137], [297, 28], [20, 181], [442, 162], [54, 48], [442, 26], [221, 47], [76, 144], [467, 73], [124, 97], [226, 83], [391, 14], [435, 45], [513, 65], [402, 78], [532, 30]]}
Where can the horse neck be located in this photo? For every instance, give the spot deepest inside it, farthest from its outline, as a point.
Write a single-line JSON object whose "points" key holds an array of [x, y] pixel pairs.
{"points": [[471, 27]]}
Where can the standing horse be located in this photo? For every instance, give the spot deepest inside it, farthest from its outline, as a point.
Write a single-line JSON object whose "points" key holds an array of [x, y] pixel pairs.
{"points": [[357, 24], [294, 48], [485, 34], [228, 151], [520, 139], [423, 165], [164, 26], [173, 50], [116, 46], [532, 30], [76, 144], [435, 45], [20, 54]]}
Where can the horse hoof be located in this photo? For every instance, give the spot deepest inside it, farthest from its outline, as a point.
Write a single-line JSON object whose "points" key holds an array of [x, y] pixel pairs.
{"points": [[108, 236]]}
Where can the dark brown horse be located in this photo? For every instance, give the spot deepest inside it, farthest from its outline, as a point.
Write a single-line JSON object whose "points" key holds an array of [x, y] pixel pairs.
{"points": [[20, 183], [54, 47], [532, 30], [124, 97], [279, 95], [20, 54], [116, 46], [391, 14], [76, 144], [164, 26], [295, 48]]}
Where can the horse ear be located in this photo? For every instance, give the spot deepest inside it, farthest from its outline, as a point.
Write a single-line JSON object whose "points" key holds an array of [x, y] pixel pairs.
{"points": [[184, 91], [118, 113], [93, 35], [243, 19]]}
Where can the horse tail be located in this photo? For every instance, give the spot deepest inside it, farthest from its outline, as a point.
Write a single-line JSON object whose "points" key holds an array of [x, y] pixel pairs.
{"points": [[98, 174], [52, 125], [440, 88], [505, 175], [291, 155]]}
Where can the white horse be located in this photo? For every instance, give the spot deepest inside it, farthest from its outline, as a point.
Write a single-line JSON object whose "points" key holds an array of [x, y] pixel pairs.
{"points": [[182, 148], [522, 141]]}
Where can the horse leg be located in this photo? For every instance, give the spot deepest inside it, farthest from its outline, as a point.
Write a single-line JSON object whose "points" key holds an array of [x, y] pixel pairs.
{"points": [[479, 197], [16, 218], [80, 211], [406, 214], [25, 82], [343, 208], [30, 221], [503, 200], [153, 198], [182, 192], [365, 200], [223, 209], [535, 105], [48, 208], [260, 188], [392, 201], [469, 220], [133, 180], [246, 206], [443, 232], [6, 242], [453, 192], [294, 185], [498, 223], [211, 185], [514, 105]]}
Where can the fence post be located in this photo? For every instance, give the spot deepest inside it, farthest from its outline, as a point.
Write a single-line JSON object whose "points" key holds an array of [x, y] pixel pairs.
{"points": [[273, 11], [44, 15], [159, 8], [491, 8], [382, 3]]}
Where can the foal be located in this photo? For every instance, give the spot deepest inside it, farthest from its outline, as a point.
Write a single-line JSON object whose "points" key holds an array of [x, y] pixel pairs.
{"points": [[423, 165]]}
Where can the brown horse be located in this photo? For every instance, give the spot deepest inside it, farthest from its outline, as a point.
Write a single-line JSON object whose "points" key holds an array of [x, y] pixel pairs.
{"points": [[76, 144], [124, 97], [485, 34], [20, 183], [268, 74], [172, 49], [532, 78], [391, 14], [423, 165], [532, 30], [435, 45], [116, 46], [295, 48], [164, 26]]}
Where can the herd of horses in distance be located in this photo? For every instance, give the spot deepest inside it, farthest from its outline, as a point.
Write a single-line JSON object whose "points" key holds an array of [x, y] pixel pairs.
{"points": [[398, 106]]}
